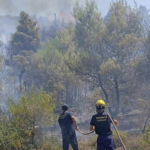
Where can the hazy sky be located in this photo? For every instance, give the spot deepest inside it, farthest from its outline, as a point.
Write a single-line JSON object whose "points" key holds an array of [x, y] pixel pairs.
{"points": [[104, 4], [48, 7]]}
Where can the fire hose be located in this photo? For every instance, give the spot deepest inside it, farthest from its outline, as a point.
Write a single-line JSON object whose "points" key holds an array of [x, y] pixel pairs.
{"points": [[117, 132], [85, 133], [115, 129]]}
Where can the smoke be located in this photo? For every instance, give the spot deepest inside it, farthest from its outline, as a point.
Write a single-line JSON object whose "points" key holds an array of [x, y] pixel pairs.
{"points": [[7, 27], [36, 7], [7, 7], [45, 8]]}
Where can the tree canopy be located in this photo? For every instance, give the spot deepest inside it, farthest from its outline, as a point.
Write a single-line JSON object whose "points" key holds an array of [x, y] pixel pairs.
{"points": [[27, 37]]}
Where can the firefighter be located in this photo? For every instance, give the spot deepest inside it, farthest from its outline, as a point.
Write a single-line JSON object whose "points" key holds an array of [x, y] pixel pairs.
{"points": [[101, 123], [68, 126]]}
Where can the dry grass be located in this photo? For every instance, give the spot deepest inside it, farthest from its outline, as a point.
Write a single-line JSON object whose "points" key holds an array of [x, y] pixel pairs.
{"points": [[132, 143], [86, 145]]}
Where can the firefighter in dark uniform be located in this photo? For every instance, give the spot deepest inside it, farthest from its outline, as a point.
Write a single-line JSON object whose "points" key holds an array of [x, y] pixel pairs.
{"points": [[101, 123], [68, 126]]}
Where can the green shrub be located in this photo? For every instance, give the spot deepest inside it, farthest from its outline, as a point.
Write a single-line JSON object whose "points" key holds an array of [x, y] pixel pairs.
{"points": [[145, 141]]}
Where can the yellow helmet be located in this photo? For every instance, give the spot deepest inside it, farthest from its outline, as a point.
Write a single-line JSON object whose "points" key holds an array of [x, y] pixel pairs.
{"points": [[100, 104]]}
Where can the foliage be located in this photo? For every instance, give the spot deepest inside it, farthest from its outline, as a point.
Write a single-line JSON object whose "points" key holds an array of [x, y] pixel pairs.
{"points": [[64, 40], [8, 135], [109, 67], [27, 37], [103, 52], [106, 51], [48, 70], [24, 42], [34, 109], [145, 142], [88, 28]]}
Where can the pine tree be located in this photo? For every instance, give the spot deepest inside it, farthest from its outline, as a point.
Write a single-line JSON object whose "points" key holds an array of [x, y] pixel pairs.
{"points": [[27, 37]]}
